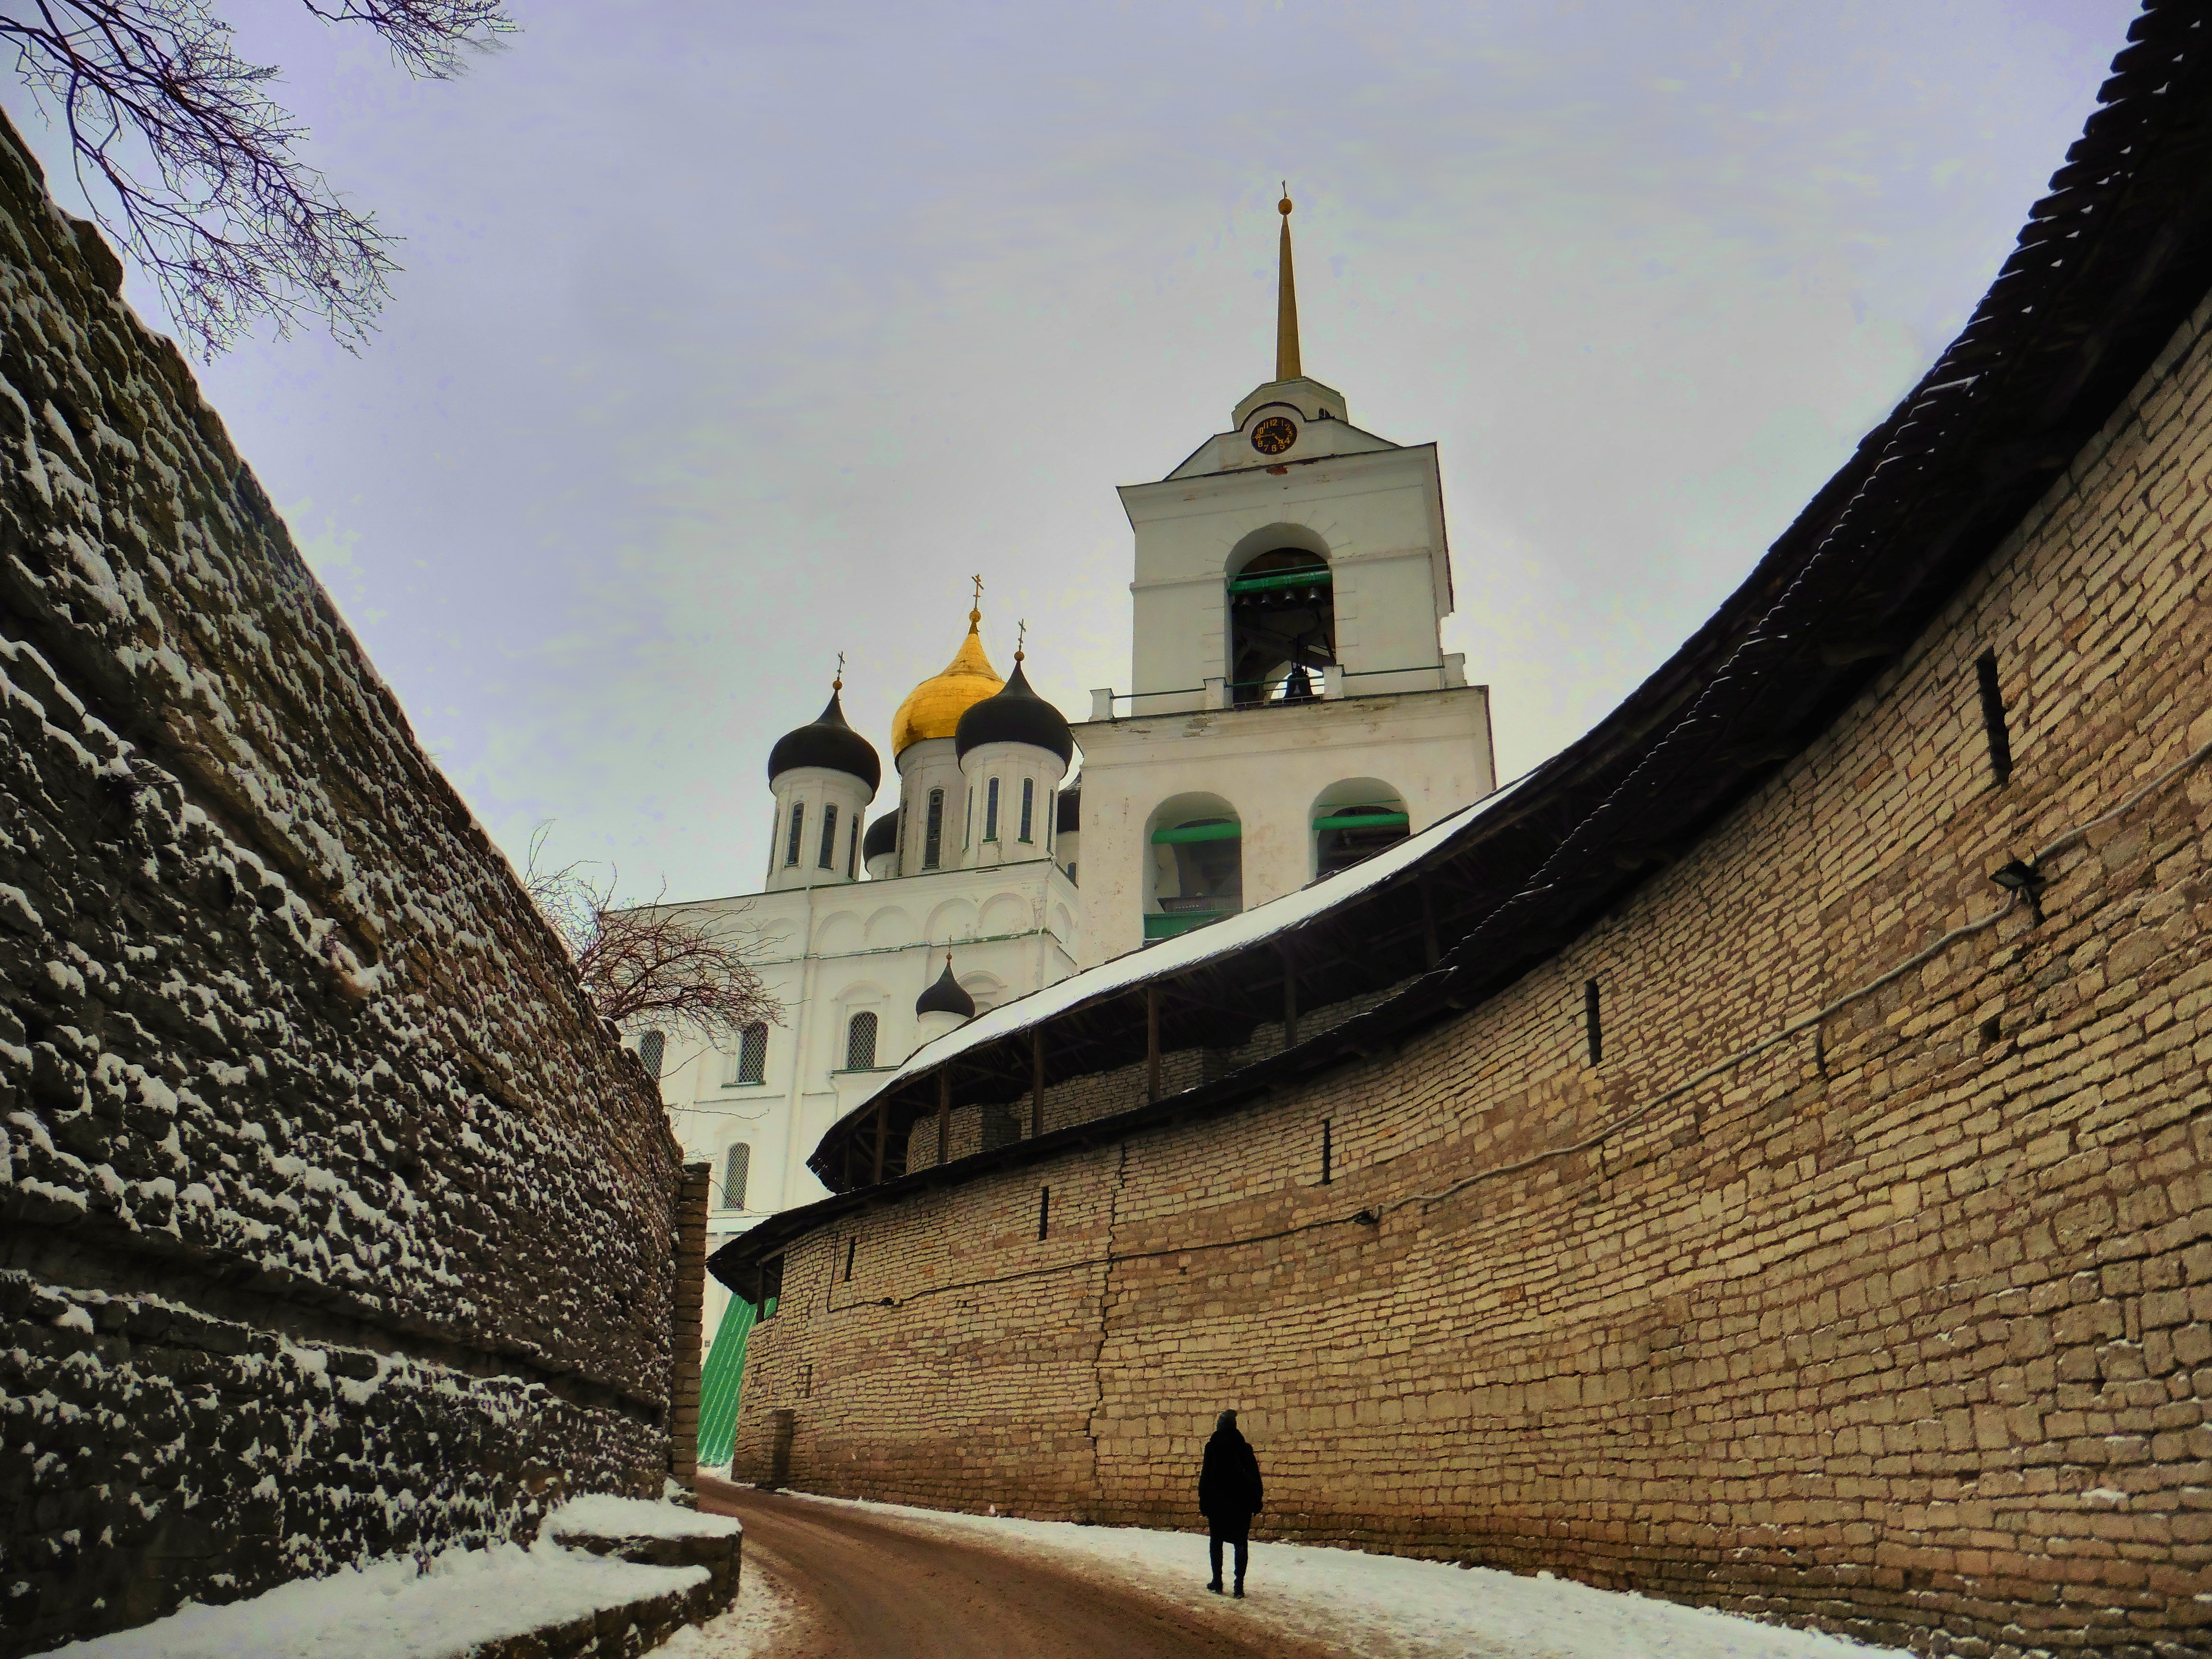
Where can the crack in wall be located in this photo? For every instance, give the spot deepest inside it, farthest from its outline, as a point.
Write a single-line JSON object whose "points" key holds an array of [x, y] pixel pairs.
{"points": [[1099, 1353]]}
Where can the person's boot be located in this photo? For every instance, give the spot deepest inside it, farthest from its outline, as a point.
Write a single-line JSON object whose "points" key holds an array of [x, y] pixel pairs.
{"points": [[1240, 1590], [1216, 1588]]}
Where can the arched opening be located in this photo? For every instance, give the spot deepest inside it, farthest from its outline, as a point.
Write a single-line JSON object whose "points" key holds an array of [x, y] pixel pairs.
{"points": [[749, 1063], [860, 1041], [736, 1175], [1195, 872], [1282, 626], [1355, 819]]}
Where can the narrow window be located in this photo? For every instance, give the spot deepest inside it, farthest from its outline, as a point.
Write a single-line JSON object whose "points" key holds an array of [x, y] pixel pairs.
{"points": [[798, 826], [651, 1047], [829, 858], [1591, 1026], [851, 1245], [768, 1287], [860, 1042], [1045, 1211], [1328, 1150], [853, 851], [932, 831], [1028, 805], [991, 810], [967, 823], [1993, 717], [737, 1168], [753, 1054]]}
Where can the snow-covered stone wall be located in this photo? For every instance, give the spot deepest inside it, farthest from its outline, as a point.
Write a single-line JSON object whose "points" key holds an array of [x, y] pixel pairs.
{"points": [[332, 1221]]}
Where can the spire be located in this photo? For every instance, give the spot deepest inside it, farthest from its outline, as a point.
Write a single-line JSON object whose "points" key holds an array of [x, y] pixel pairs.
{"points": [[1287, 367]]}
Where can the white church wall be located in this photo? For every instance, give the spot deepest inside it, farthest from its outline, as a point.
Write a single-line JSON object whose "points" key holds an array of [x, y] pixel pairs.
{"points": [[1382, 510], [1270, 765]]}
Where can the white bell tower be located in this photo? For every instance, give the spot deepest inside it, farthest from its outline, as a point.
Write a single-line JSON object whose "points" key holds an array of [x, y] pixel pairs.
{"points": [[1290, 707]]}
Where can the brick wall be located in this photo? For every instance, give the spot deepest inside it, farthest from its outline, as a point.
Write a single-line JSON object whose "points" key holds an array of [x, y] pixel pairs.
{"points": [[1902, 1328], [333, 1222]]}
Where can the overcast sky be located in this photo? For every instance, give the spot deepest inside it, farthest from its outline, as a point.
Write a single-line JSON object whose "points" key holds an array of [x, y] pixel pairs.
{"points": [[733, 337]]}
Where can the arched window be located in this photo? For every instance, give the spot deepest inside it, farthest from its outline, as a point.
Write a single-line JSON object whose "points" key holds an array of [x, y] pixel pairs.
{"points": [[1353, 820], [752, 1054], [828, 859], [932, 831], [1196, 870], [1028, 805], [797, 825], [853, 851], [650, 1048], [1282, 626], [991, 810], [737, 1168], [860, 1042]]}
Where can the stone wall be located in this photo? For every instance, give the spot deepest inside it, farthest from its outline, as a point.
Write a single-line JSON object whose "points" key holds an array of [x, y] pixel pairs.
{"points": [[333, 1222], [1902, 1328]]}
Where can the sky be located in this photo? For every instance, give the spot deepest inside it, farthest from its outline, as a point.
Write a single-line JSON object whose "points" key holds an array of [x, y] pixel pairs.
{"points": [[731, 338]]}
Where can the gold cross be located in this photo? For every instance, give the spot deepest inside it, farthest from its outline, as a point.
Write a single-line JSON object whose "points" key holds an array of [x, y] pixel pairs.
{"points": [[978, 592], [1021, 637]]}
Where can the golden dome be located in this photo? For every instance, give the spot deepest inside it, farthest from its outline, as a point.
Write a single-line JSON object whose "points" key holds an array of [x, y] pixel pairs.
{"points": [[934, 709]]}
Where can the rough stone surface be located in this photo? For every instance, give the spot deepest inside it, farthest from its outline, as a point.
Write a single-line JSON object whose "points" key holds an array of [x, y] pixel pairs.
{"points": [[333, 1222], [1902, 1328]]}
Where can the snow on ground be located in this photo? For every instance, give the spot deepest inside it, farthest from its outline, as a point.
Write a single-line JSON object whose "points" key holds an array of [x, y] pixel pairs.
{"points": [[752, 1629], [1386, 1607], [391, 1610]]}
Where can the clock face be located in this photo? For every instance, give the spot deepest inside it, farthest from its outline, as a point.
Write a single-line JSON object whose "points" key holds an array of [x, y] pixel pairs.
{"points": [[1274, 434]]}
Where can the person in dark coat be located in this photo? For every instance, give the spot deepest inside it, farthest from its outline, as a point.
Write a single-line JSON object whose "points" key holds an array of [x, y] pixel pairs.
{"points": [[1229, 1494]]}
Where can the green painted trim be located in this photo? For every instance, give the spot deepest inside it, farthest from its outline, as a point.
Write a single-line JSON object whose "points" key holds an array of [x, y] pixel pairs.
{"points": [[1362, 821], [1167, 924], [721, 1380], [1198, 832], [1284, 579]]}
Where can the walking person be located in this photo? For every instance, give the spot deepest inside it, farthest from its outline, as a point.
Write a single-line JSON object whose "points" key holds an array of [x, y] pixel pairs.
{"points": [[1229, 1494]]}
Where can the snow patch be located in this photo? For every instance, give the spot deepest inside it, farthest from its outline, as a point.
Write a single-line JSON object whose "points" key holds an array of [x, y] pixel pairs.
{"points": [[603, 1515], [390, 1610]]}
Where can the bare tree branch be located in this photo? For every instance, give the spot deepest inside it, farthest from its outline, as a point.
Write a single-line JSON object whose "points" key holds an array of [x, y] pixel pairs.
{"points": [[189, 163], [652, 964]]}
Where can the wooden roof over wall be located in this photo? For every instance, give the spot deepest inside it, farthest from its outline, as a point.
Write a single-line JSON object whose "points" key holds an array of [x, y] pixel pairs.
{"points": [[2108, 265]]}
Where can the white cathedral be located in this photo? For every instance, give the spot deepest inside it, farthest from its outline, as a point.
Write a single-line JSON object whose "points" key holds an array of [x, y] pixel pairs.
{"points": [[1290, 710]]}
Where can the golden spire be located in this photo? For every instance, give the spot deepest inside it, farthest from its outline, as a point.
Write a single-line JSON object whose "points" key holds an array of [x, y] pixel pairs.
{"points": [[1286, 304]]}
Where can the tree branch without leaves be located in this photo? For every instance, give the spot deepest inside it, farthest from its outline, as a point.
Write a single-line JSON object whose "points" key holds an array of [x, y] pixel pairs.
{"points": [[656, 965], [190, 166]]}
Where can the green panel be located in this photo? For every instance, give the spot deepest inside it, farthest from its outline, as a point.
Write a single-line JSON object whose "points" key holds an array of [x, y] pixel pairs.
{"points": [[1362, 821], [1280, 579], [1168, 924], [1191, 832], [719, 1382]]}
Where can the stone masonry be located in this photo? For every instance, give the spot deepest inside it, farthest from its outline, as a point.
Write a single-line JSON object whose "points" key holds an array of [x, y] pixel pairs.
{"points": [[333, 1224], [1902, 1328]]}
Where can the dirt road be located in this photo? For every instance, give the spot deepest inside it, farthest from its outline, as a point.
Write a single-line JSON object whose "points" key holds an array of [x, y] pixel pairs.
{"points": [[872, 1587]]}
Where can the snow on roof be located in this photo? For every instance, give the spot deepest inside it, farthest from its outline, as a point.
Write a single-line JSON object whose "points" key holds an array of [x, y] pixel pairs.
{"points": [[1173, 956]]}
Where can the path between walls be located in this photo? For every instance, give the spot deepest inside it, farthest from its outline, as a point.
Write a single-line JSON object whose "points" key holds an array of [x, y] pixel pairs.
{"points": [[862, 1580]]}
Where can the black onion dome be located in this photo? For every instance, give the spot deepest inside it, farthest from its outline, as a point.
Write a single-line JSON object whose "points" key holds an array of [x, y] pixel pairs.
{"points": [[1069, 821], [882, 836], [828, 742], [944, 996], [1016, 714]]}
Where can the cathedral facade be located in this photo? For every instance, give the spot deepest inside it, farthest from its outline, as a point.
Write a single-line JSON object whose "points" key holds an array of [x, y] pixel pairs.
{"points": [[1291, 713]]}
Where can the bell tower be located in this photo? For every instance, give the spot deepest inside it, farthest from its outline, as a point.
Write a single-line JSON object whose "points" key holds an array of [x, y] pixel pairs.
{"points": [[1287, 669]]}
